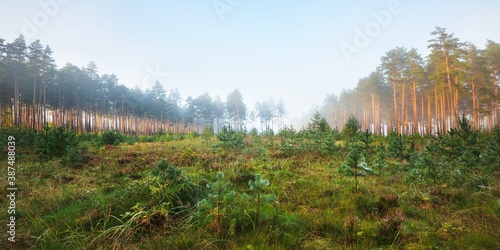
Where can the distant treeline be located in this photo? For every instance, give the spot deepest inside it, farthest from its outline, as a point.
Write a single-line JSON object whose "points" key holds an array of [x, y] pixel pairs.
{"points": [[406, 93], [34, 93], [412, 94]]}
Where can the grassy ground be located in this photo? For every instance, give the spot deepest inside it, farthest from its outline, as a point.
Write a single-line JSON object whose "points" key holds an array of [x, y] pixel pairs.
{"points": [[120, 199]]}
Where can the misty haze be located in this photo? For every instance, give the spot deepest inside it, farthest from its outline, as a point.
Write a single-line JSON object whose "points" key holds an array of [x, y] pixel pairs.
{"points": [[234, 124]]}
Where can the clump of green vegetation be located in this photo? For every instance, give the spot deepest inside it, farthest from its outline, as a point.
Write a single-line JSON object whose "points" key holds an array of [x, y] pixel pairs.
{"points": [[112, 137], [218, 207], [59, 142], [354, 164], [258, 185], [351, 128], [229, 138]]}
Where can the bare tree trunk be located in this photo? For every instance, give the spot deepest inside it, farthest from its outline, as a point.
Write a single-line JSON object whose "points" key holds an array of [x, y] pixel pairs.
{"points": [[444, 117], [394, 93], [16, 113], [474, 103], [414, 101], [33, 125], [403, 119], [374, 114], [456, 115], [422, 118], [451, 96], [44, 103], [495, 100]]}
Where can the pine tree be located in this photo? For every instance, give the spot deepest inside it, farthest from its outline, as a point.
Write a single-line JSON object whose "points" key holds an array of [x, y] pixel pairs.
{"points": [[259, 185], [366, 139], [236, 109], [220, 190], [229, 138], [354, 164], [397, 146], [351, 128], [318, 130], [380, 159], [427, 163], [16, 58]]}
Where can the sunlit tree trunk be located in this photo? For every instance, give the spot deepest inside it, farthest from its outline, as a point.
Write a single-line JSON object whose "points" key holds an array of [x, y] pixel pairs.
{"points": [[395, 98], [451, 97], [496, 108], [415, 107]]}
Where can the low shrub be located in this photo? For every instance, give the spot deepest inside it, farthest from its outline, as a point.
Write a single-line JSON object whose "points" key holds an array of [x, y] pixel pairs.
{"points": [[112, 137], [55, 141]]}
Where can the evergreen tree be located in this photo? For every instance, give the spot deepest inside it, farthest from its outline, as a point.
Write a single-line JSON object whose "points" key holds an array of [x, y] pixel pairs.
{"points": [[16, 58], [319, 131], [351, 128], [366, 139], [259, 186], [428, 165], [236, 109], [354, 164], [229, 138], [221, 192], [318, 124], [397, 146], [380, 161]]}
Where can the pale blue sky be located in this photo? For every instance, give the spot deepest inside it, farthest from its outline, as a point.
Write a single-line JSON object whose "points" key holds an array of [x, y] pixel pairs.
{"points": [[288, 49]]}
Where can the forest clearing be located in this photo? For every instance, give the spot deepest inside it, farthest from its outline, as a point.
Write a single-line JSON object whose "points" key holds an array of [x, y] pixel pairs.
{"points": [[234, 124], [316, 188]]}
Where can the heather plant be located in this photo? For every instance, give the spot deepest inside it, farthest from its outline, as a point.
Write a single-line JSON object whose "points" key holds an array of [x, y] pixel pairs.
{"points": [[389, 228]]}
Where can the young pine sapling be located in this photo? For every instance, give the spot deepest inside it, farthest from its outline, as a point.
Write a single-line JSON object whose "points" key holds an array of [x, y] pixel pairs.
{"points": [[220, 191], [259, 184]]}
